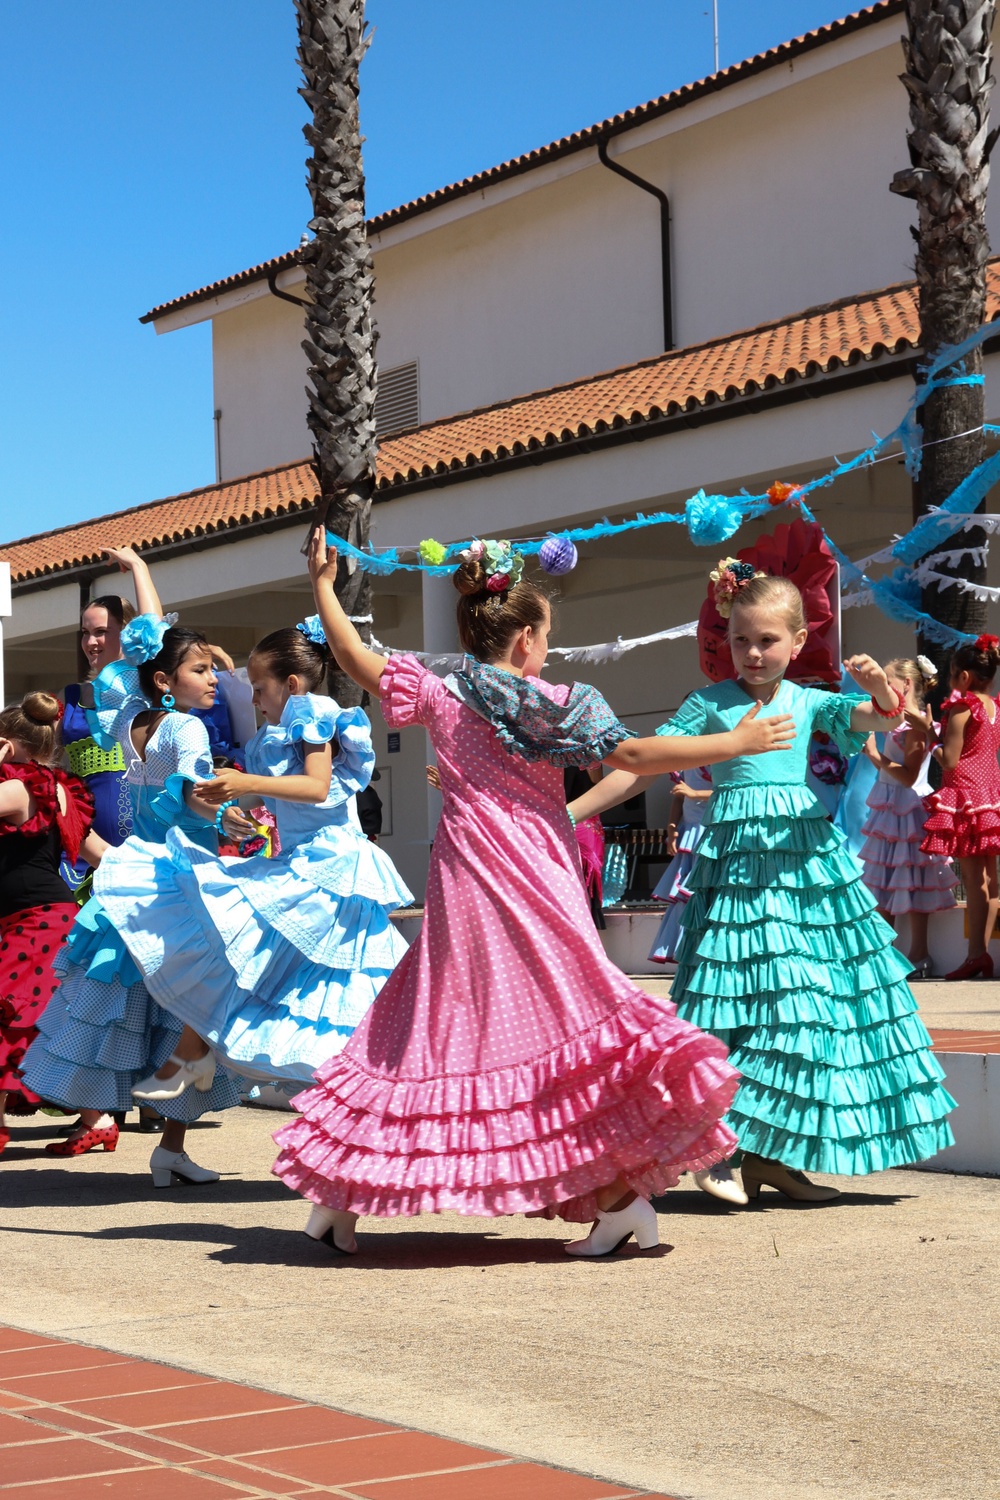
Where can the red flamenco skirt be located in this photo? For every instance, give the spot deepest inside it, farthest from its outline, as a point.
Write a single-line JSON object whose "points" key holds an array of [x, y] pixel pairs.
{"points": [[29, 942], [960, 826]]}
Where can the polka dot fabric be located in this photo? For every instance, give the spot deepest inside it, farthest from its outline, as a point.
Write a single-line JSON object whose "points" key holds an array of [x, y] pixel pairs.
{"points": [[29, 942], [964, 816], [507, 1066]]}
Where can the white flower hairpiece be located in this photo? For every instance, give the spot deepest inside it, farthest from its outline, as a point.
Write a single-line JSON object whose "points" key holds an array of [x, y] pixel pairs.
{"points": [[927, 667]]}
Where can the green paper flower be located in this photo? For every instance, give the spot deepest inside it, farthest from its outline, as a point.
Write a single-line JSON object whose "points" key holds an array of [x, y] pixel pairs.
{"points": [[432, 552]]}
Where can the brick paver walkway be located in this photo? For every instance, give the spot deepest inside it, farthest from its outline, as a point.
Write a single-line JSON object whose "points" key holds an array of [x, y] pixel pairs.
{"points": [[78, 1423]]}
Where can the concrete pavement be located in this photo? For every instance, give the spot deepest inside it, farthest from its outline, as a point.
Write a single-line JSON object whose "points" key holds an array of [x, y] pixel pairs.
{"points": [[775, 1353]]}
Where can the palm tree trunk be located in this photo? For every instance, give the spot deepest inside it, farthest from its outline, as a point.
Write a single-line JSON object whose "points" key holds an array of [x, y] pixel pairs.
{"points": [[948, 52], [340, 336]]}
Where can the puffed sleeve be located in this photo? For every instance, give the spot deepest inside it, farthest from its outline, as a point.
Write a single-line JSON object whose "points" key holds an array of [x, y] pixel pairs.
{"points": [[185, 739], [408, 690], [314, 720], [117, 699], [690, 718], [832, 716], [955, 701]]}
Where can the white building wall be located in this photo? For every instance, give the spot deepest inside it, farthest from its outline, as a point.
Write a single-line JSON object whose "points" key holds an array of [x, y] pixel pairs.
{"points": [[259, 373]]}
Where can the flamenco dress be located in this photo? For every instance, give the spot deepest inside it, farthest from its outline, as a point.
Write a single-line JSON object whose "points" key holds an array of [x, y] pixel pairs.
{"points": [[273, 961], [507, 1066], [963, 817], [103, 770], [36, 911], [900, 876], [784, 957], [102, 1030], [672, 886]]}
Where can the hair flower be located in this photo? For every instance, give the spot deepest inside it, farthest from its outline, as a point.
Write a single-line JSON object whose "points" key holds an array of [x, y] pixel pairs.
{"points": [[312, 628], [780, 493], [988, 643], [729, 578], [497, 582], [926, 667], [142, 638]]}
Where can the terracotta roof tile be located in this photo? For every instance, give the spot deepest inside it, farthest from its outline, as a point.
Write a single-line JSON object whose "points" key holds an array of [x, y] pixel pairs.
{"points": [[567, 145], [789, 351]]}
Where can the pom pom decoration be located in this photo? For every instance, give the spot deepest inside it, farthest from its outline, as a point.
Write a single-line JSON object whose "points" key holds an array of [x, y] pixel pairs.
{"points": [[711, 519], [558, 555], [780, 493], [433, 552]]}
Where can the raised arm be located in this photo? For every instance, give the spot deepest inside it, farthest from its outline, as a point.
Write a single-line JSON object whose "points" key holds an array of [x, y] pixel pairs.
{"points": [[147, 600], [680, 752], [353, 656], [871, 679]]}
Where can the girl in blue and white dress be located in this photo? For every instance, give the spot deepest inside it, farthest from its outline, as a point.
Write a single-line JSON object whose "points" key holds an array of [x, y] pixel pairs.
{"points": [[102, 1030], [693, 788], [273, 961]]}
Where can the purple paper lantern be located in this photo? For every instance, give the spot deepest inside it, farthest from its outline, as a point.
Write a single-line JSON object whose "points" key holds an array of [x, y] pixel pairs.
{"points": [[558, 555]]}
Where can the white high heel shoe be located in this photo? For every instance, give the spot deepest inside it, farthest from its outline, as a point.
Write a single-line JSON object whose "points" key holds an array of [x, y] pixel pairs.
{"points": [[613, 1229], [199, 1071], [166, 1166], [323, 1226], [719, 1182]]}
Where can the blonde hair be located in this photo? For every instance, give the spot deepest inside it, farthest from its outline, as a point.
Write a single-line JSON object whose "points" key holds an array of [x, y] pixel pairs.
{"points": [[777, 594], [34, 724], [919, 672]]}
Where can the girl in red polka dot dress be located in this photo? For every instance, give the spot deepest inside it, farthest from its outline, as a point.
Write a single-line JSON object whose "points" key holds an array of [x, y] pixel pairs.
{"points": [[44, 814], [964, 816], [507, 1066]]}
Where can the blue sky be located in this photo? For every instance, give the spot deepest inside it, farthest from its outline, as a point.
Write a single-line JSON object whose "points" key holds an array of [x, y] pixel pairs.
{"points": [[147, 150]]}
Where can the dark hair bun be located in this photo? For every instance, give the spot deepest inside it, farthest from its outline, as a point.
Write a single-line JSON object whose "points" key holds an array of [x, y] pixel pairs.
{"points": [[42, 708], [470, 577]]}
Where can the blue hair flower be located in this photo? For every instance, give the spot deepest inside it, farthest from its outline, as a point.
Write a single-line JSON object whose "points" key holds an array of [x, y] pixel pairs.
{"points": [[711, 519], [312, 629], [142, 638]]}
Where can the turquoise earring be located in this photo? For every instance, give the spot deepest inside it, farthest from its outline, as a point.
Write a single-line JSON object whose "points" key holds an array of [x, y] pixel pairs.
{"points": [[168, 701]]}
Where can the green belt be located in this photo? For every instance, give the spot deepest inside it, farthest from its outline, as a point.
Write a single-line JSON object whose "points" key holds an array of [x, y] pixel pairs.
{"points": [[86, 758]]}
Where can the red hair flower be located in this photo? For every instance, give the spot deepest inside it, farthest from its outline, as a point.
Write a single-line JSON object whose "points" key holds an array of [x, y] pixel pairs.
{"points": [[781, 493], [990, 643]]}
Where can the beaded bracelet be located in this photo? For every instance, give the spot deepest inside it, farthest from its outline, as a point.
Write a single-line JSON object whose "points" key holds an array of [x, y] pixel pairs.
{"points": [[572, 820], [233, 802], [890, 713]]}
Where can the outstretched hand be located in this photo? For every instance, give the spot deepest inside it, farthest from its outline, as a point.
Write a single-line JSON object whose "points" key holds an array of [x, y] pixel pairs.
{"points": [[321, 558], [868, 675], [224, 786], [756, 736], [125, 557]]}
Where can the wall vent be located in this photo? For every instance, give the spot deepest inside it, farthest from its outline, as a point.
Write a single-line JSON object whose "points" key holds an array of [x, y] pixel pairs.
{"points": [[397, 404]]}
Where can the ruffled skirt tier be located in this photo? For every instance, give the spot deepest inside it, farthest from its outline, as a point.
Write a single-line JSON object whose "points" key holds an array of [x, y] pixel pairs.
{"points": [[900, 876], [784, 958], [960, 825], [102, 1031], [272, 961], [639, 1093], [29, 943]]}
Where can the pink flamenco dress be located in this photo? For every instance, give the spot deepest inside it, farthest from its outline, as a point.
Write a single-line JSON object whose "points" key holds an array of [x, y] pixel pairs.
{"points": [[900, 876], [964, 816], [506, 1066]]}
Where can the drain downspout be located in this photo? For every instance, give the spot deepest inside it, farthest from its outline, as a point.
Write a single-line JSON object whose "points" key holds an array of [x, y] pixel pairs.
{"points": [[664, 202]]}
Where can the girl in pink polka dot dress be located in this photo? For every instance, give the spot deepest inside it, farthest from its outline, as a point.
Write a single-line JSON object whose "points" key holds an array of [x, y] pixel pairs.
{"points": [[964, 816], [507, 1066]]}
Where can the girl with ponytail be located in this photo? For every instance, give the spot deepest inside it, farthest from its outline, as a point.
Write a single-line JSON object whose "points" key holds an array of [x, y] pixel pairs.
{"points": [[964, 816]]}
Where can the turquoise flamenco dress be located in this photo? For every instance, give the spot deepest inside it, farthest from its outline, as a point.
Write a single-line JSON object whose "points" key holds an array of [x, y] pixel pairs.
{"points": [[274, 961], [102, 1031], [784, 958]]}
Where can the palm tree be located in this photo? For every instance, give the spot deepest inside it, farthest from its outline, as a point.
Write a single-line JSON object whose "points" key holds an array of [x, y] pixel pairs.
{"points": [[949, 54], [340, 337]]}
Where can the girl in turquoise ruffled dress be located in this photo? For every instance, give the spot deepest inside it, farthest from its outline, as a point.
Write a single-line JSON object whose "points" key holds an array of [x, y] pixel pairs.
{"points": [[273, 962], [102, 1030], [782, 955]]}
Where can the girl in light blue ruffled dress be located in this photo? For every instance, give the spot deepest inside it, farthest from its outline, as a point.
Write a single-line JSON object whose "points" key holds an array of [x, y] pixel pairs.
{"points": [[102, 1030], [272, 961]]}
